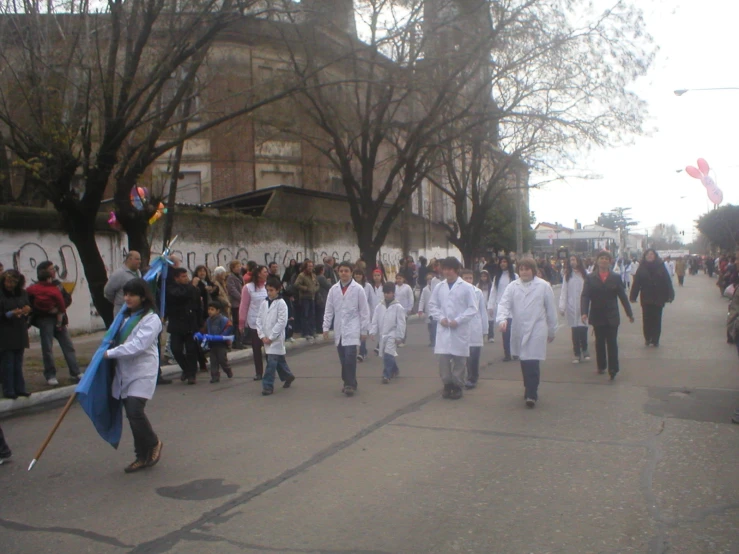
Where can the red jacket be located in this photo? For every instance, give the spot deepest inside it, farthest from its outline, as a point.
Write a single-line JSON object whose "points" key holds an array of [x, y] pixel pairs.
{"points": [[45, 297]]}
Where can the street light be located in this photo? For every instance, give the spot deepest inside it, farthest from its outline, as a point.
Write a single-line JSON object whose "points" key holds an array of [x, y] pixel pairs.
{"points": [[681, 91]]}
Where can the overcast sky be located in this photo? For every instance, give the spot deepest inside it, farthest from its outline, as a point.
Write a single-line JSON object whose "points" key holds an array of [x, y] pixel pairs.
{"points": [[699, 44]]}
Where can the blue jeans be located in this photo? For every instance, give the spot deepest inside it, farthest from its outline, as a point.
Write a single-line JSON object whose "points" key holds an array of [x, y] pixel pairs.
{"points": [[49, 332], [348, 359], [390, 366], [308, 317], [363, 349], [531, 374], [11, 362], [432, 333], [275, 363]]}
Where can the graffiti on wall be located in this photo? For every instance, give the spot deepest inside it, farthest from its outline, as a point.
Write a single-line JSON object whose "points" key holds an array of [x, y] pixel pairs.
{"points": [[27, 258]]}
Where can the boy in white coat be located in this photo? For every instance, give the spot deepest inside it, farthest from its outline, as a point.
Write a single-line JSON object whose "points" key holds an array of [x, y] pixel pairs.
{"points": [[529, 302], [388, 326], [453, 306], [404, 295], [271, 323], [347, 308], [423, 308], [478, 330]]}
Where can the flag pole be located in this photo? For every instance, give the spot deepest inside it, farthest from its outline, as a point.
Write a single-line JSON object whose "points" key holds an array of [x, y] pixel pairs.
{"points": [[53, 430]]}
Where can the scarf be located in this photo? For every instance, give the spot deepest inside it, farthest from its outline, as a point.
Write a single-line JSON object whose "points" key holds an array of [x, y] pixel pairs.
{"points": [[125, 331]]}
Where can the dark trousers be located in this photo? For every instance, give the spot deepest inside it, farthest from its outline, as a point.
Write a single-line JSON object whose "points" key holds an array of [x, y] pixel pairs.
{"points": [[49, 331], [185, 351], [4, 448], [238, 339], [432, 333], [201, 358], [11, 362], [348, 359], [491, 329], [652, 322], [473, 364], [256, 348], [531, 374], [308, 317], [507, 339], [681, 280], [389, 366], [606, 348], [219, 359], [144, 437], [579, 340]]}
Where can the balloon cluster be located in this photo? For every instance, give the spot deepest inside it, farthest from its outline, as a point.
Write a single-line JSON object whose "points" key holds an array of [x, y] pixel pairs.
{"points": [[140, 201], [702, 174]]}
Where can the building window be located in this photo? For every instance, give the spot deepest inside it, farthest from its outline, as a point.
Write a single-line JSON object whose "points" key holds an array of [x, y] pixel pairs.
{"points": [[188, 187]]}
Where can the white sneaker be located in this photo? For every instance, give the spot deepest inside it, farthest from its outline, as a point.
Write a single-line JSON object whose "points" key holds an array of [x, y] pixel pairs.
{"points": [[576, 361], [52, 382], [530, 402], [491, 340]]}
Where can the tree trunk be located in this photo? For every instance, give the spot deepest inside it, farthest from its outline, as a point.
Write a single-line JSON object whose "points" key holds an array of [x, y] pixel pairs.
{"points": [[82, 236], [137, 231], [6, 190]]}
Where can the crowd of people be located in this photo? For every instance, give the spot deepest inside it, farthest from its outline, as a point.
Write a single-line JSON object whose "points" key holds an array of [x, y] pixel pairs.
{"points": [[253, 306]]}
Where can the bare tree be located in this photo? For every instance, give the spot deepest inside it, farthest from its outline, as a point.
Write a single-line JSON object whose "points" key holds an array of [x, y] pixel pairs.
{"points": [[91, 98]]}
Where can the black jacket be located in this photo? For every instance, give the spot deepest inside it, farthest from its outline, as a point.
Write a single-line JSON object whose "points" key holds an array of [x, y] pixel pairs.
{"points": [[654, 284], [13, 331], [599, 300], [184, 308]]}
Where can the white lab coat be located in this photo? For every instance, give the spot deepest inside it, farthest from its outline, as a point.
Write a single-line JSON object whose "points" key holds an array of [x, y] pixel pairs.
{"points": [[531, 305], [373, 297], [137, 360], [404, 295], [351, 311], [496, 294], [435, 281], [423, 302], [486, 299], [569, 300], [479, 325], [271, 322], [455, 304], [388, 326]]}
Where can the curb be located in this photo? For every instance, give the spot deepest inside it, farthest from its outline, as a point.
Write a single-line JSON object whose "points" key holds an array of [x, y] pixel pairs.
{"points": [[8, 406]]}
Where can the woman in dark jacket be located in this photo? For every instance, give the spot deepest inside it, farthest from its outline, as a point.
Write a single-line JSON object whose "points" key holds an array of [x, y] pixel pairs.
{"points": [[599, 304], [655, 286], [14, 310]]}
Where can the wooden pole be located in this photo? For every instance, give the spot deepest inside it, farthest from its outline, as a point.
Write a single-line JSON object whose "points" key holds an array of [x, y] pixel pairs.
{"points": [[53, 430]]}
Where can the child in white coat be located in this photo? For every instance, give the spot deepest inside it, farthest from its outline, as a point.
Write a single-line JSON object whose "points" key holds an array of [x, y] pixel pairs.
{"points": [[388, 326], [271, 323], [569, 307], [423, 308], [478, 330], [404, 295]]}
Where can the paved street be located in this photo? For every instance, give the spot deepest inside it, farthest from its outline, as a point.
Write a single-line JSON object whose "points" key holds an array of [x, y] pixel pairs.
{"points": [[645, 464]]}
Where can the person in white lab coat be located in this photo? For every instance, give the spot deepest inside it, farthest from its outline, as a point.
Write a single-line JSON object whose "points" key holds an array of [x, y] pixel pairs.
{"points": [[453, 306], [404, 295], [388, 327], [569, 307], [361, 279], [423, 308], [270, 327], [485, 284], [347, 308], [137, 367], [375, 297], [529, 302], [478, 330], [503, 278]]}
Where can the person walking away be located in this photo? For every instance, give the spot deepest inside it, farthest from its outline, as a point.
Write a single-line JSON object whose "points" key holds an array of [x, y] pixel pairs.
{"points": [[599, 306], [347, 309], [478, 330], [653, 285], [404, 295], [183, 321], [569, 307], [271, 323], [423, 308], [252, 296], [485, 284], [680, 269], [49, 315], [503, 278], [388, 327], [528, 303], [136, 368], [220, 274], [15, 307], [452, 305], [307, 285], [113, 290], [218, 325], [234, 285], [361, 279]]}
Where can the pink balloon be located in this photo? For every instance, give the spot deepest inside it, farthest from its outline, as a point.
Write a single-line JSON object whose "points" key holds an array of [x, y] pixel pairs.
{"points": [[715, 195], [694, 172], [703, 166], [708, 182]]}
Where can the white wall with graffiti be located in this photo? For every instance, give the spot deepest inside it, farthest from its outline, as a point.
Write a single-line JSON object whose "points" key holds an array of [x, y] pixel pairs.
{"points": [[24, 250]]}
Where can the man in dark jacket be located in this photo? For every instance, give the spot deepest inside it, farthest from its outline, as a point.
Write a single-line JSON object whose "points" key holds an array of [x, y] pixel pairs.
{"points": [[654, 285], [183, 307], [599, 303]]}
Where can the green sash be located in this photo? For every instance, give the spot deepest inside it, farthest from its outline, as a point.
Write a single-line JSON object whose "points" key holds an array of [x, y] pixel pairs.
{"points": [[130, 325]]}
